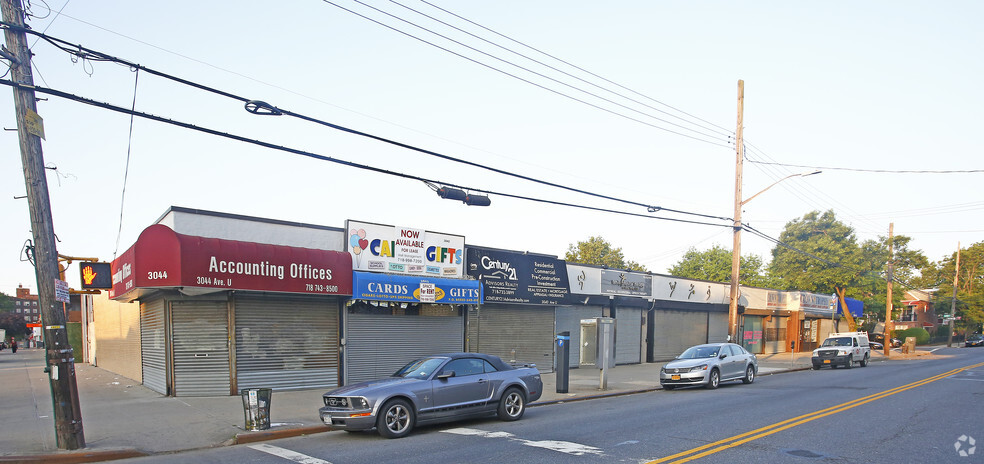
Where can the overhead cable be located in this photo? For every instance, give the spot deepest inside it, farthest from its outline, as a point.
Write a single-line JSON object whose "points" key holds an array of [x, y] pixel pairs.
{"points": [[257, 106], [119, 109]]}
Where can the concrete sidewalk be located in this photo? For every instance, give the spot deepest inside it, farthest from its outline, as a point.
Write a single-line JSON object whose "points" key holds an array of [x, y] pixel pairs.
{"points": [[122, 418]]}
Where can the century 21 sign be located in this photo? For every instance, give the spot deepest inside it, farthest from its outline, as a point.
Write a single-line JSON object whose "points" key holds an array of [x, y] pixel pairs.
{"points": [[96, 276]]}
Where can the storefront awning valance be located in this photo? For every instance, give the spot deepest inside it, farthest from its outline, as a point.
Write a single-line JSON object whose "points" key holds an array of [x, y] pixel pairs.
{"points": [[162, 258], [407, 289]]}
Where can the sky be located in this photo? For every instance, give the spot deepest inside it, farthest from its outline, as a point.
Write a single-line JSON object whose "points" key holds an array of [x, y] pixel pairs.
{"points": [[634, 100]]}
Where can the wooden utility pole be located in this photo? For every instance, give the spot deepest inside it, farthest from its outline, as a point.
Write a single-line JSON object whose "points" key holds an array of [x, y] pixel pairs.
{"points": [[736, 244], [58, 353], [888, 298], [953, 302]]}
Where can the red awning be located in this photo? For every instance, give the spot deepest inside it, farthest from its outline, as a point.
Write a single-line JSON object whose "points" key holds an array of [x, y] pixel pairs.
{"points": [[162, 258]]}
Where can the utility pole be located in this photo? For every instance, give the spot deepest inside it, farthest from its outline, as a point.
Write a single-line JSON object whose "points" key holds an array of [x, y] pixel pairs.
{"points": [[888, 299], [953, 302], [736, 244], [58, 353]]}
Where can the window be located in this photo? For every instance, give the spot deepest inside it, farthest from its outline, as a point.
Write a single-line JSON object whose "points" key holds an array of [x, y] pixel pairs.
{"points": [[465, 366]]}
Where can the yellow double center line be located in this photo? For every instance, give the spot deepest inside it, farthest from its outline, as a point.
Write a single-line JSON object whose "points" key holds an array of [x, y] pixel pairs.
{"points": [[746, 437]]}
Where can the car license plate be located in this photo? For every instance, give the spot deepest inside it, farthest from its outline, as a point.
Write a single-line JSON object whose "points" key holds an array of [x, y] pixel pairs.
{"points": [[674, 377], [826, 361]]}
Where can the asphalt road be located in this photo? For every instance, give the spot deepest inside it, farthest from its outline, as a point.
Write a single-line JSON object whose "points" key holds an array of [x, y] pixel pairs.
{"points": [[889, 412]]}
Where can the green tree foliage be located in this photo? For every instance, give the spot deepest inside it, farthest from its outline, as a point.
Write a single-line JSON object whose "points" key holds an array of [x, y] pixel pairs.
{"points": [[871, 285], [597, 251], [860, 268], [6, 303], [970, 285], [821, 235], [714, 264], [14, 323], [921, 334]]}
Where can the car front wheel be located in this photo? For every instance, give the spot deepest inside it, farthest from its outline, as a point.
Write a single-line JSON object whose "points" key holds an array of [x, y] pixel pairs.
{"points": [[395, 419], [713, 380], [749, 375], [512, 405]]}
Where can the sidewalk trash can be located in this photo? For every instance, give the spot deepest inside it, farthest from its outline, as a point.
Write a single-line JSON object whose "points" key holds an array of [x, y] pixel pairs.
{"points": [[256, 407], [910, 345]]}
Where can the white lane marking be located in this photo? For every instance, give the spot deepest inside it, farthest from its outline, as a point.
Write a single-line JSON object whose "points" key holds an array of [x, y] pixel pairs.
{"points": [[574, 449], [478, 433], [288, 454]]}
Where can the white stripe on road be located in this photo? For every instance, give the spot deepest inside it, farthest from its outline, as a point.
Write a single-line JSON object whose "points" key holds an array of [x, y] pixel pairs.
{"points": [[574, 449], [288, 454]]}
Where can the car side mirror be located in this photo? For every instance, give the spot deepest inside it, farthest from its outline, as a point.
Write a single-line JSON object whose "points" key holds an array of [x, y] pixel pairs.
{"points": [[445, 375], [722, 356]]}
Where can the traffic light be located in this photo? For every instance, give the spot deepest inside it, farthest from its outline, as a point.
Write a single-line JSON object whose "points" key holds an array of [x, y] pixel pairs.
{"points": [[96, 276]]}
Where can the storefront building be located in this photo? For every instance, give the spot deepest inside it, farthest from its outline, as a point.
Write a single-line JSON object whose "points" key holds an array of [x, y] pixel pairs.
{"points": [[686, 312], [522, 293], [219, 315], [409, 298]]}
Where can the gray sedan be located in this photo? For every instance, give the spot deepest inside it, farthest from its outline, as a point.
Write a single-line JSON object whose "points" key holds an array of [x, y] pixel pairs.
{"points": [[709, 365], [434, 389]]}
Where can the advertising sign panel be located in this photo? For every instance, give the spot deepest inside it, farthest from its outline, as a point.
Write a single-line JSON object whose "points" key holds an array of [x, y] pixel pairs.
{"points": [[518, 278], [408, 289], [404, 250], [626, 283]]}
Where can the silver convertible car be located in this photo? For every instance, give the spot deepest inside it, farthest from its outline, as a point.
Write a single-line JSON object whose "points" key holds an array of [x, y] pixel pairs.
{"points": [[709, 365], [432, 389]]}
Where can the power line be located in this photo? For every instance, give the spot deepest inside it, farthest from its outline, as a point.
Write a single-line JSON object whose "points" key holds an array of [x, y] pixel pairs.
{"points": [[526, 80], [727, 131], [882, 171], [309, 154], [724, 133], [264, 108]]}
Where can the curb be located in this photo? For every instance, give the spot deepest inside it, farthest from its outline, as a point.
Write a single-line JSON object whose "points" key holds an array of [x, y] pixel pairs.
{"points": [[253, 437], [71, 457]]}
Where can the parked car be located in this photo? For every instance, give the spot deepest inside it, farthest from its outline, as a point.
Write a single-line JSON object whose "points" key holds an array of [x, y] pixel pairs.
{"points": [[433, 389], [709, 365], [974, 340], [880, 338], [842, 349], [875, 346]]}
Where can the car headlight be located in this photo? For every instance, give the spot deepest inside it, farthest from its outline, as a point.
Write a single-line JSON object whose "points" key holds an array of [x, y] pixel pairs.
{"points": [[662, 369], [362, 403], [702, 367], [843, 352]]}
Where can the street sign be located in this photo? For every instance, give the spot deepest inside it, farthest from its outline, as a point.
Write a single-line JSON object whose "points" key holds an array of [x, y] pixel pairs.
{"points": [[61, 291]]}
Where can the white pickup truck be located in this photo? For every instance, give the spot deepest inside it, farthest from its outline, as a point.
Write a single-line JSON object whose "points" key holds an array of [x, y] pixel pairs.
{"points": [[843, 349]]}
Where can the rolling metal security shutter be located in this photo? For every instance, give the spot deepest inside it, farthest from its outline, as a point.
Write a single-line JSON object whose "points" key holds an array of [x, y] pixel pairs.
{"points": [[200, 335], [378, 345], [569, 320], [676, 331], [153, 352], [628, 336], [514, 333], [286, 343], [717, 327]]}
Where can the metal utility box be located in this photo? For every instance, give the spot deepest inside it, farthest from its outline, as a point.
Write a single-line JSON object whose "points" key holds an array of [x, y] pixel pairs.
{"points": [[598, 342]]}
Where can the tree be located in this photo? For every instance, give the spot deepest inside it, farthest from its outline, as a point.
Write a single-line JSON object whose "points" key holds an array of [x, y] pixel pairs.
{"points": [[597, 251], [14, 323], [6, 303], [970, 286], [816, 235], [907, 266], [714, 264]]}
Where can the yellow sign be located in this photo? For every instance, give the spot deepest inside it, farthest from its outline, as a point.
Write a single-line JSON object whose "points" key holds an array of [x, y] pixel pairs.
{"points": [[35, 125]]}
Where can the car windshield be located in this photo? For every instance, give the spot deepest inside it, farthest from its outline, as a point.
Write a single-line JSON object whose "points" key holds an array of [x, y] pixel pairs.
{"points": [[839, 341], [420, 368], [975, 337], [697, 352]]}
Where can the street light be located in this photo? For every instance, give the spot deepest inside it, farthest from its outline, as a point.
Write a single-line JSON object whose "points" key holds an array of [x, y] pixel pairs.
{"points": [[736, 247]]}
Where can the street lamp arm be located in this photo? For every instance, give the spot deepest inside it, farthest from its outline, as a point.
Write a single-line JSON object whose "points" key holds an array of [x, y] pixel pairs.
{"points": [[802, 174]]}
